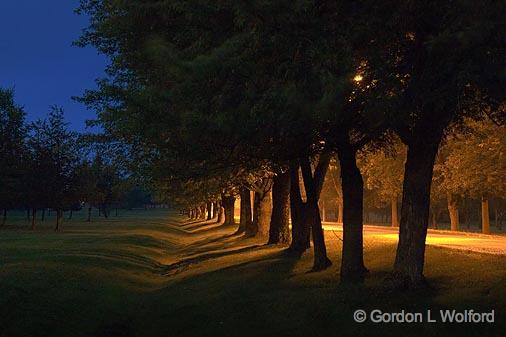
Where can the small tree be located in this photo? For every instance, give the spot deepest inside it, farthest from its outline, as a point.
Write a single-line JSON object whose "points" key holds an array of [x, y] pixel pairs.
{"points": [[55, 155], [383, 172]]}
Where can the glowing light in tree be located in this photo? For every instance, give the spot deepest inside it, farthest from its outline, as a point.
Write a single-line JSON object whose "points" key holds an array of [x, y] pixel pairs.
{"points": [[358, 78]]}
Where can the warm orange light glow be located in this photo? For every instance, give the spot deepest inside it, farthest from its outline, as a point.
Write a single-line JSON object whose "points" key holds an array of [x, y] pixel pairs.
{"points": [[358, 78]]}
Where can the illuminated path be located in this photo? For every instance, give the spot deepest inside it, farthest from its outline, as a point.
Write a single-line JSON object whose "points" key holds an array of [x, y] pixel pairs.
{"points": [[491, 244]]}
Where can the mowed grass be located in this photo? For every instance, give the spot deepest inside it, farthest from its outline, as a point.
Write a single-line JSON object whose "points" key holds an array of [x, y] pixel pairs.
{"points": [[149, 273]]}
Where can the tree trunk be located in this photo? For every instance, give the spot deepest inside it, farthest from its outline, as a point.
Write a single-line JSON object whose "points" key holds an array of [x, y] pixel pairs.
{"points": [[228, 205], [409, 260], [203, 212], [300, 227], [321, 261], [34, 219], [322, 211], [262, 210], [209, 207], [453, 211], [4, 217], [43, 214], [116, 212], [215, 209], [279, 230], [340, 212], [58, 220], [485, 216], [71, 214], [434, 218], [245, 222], [395, 213], [352, 264], [220, 212], [89, 214]]}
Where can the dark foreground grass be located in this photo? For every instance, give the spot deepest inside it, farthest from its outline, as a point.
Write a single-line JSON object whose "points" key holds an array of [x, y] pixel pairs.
{"points": [[121, 278]]}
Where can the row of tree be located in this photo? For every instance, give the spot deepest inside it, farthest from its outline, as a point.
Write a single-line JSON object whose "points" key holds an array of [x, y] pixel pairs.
{"points": [[221, 98], [470, 166], [44, 166]]}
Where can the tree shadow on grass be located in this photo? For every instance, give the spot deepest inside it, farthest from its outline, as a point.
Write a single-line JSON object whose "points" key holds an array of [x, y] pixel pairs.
{"points": [[209, 240], [192, 222], [206, 226], [184, 264], [201, 226]]}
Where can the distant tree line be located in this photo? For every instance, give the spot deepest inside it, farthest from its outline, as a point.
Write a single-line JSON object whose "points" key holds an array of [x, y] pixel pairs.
{"points": [[45, 166]]}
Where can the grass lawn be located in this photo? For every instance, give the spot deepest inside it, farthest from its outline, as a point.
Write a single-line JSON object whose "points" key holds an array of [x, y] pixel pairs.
{"points": [[147, 273]]}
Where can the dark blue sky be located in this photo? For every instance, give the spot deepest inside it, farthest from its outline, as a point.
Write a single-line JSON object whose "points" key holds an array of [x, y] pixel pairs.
{"points": [[37, 57]]}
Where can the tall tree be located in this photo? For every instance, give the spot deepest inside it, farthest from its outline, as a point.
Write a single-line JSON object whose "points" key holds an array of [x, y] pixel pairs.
{"points": [[426, 89], [13, 134]]}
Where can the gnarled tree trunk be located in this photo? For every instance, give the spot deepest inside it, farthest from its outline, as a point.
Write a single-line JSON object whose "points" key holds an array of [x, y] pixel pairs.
{"points": [[352, 263], [228, 205], [279, 231], [409, 261], [300, 227], [262, 210], [313, 189]]}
